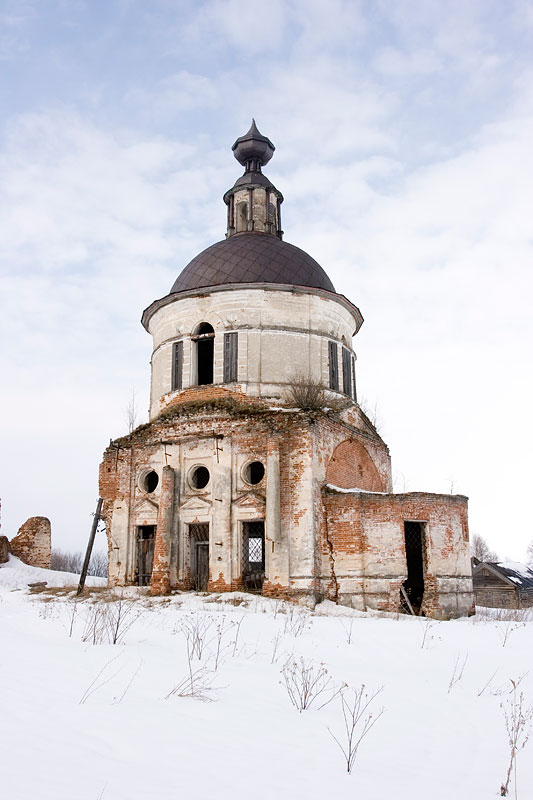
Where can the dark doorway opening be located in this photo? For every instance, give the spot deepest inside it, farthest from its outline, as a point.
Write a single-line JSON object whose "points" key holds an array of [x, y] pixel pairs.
{"points": [[145, 553], [414, 553], [205, 348], [253, 555], [199, 539]]}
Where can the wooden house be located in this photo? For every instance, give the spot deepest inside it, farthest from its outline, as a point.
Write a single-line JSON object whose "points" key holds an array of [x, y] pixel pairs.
{"points": [[502, 584]]}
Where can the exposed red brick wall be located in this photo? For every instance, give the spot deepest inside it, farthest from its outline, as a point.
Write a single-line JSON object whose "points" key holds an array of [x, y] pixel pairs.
{"points": [[211, 392], [160, 583], [351, 467], [4, 549], [373, 525], [33, 542]]}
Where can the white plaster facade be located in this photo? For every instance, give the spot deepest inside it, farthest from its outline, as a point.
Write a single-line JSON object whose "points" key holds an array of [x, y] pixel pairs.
{"points": [[283, 334]]}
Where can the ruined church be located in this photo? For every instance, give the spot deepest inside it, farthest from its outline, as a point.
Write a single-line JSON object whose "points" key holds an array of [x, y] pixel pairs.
{"points": [[258, 471]]}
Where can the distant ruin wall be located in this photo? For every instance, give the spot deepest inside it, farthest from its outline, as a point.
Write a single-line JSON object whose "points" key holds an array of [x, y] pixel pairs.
{"points": [[33, 542], [4, 549]]}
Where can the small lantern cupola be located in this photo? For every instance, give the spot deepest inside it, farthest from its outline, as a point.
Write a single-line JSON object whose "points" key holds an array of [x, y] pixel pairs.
{"points": [[253, 202]]}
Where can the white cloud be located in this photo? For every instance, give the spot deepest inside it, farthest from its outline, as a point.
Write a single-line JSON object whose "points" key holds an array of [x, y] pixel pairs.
{"points": [[403, 150]]}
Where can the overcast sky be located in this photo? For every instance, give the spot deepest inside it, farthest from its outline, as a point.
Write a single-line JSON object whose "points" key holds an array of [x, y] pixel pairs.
{"points": [[403, 135]]}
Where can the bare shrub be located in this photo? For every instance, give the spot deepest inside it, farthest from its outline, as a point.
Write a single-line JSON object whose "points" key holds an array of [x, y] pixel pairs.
{"points": [[508, 624], [306, 682], [296, 621], [121, 614], [197, 683], [95, 629], [371, 414], [108, 623], [197, 629], [130, 412], [518, 721], [307, 394], [358, 721]]}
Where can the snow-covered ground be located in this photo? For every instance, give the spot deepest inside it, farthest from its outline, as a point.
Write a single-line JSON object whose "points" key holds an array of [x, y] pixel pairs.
{"points": [[83, 721]]}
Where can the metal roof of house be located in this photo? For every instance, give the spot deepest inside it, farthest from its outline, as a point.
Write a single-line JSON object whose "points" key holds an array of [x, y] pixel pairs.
{"points": [[513, 571]]}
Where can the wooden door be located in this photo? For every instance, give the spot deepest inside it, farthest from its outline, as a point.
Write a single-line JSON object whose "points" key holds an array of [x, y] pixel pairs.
{"points": [[202, 565], [145, 553], [199, 541]]}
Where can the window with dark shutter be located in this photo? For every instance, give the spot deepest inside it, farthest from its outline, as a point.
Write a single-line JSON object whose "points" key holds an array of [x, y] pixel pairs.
{"points": [[177, 366], [333, 366], [346, 371], [230, 357], [354, 387]]}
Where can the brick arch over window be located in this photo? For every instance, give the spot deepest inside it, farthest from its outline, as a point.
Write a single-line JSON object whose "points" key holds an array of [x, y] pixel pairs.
{"points": [[350, 467]]}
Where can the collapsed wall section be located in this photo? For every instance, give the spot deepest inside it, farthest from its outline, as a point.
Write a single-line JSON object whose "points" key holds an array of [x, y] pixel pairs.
{"points": [[367, 533], [33, 542]]}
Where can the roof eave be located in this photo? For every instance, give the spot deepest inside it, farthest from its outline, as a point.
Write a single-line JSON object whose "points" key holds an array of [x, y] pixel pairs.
{"points": [[283, 287]]}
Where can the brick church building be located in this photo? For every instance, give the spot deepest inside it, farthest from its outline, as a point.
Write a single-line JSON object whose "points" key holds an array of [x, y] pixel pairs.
{"points": [[258, 470]]}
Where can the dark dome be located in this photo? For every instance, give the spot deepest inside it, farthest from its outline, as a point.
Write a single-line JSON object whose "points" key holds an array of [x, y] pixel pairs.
{"points": [[252, 258]]}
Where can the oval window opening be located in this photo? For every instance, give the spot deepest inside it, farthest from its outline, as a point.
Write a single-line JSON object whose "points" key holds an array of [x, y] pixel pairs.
{"points": [[255, 472], [200, 477], [150, 481]]}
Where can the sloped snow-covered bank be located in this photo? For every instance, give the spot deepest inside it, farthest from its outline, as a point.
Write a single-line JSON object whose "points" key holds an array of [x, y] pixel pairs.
{"points": [[17, 575], [85, 721]]}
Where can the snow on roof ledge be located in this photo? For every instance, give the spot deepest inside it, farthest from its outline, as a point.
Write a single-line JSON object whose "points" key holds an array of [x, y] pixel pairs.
{"points": [[517, 567], [355, 490]]}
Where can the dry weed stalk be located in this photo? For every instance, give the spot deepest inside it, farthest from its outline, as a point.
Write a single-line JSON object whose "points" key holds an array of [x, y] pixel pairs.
{"points": [[457, 674], [357, 722], [296, 621], [518, 721], [427, 637]]}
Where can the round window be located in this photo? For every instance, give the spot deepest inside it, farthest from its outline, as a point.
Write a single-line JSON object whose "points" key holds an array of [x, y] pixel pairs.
{"points": [[254, 472], [199, 477], [149, 481]]}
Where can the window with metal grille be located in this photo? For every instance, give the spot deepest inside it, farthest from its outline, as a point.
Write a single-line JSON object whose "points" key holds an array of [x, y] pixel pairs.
{"points": [[255, 550], [177, 366], [253, 554], [354, 386], [346, 371], [333, 366], [231, 341]]}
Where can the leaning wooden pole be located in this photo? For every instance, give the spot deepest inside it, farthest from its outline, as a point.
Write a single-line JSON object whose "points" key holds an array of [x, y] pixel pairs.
{"points": [[90, 546]]}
